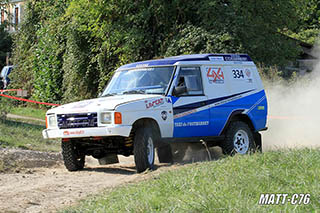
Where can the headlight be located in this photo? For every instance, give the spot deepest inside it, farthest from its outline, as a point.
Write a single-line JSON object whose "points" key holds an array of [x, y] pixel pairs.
{"points": [[106, 117], [51, 121]]}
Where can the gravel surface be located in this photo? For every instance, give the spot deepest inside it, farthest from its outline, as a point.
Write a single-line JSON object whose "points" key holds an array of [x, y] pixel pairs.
{"points": [[40, 182]]}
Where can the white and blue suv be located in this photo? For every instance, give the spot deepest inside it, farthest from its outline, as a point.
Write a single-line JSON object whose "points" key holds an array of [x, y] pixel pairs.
{"points": [[216, 98]]}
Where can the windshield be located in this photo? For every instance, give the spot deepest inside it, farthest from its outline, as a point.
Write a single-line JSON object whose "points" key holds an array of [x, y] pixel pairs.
{"points": [[153, 80]]}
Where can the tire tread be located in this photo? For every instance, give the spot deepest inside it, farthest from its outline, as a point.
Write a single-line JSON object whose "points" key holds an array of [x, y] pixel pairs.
{"points": [[70, 158]]}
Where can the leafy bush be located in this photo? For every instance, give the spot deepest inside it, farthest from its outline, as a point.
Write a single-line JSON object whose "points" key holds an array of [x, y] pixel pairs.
{"points": [[67, 50], [49, 52], [191, 39], [5, 107]]}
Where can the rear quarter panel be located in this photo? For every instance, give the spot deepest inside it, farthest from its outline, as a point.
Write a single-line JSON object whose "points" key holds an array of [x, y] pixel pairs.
{"points": [[239, 88]]}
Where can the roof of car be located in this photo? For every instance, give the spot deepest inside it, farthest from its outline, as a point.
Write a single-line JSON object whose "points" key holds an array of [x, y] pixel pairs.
{"points": [[193, 57]]}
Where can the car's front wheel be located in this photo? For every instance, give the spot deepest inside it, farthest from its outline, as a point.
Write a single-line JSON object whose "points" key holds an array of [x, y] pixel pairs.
{"points": [[73, 159], [144, 149]]}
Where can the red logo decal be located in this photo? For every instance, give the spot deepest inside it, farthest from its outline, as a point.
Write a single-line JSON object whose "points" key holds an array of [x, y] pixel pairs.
{"points": [[154, 103], [67, 133], [215, 75], [248, 73]]}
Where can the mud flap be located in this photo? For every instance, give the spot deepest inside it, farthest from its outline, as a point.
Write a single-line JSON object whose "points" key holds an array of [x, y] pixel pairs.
{"points": [[258, 141], [109, 159]]}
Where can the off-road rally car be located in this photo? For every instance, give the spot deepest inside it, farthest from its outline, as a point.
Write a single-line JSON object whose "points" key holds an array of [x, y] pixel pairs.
{"points": [[146, 106]]}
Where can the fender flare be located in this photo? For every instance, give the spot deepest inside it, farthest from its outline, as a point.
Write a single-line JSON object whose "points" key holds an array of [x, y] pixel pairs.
{"points": [[238, 115]]}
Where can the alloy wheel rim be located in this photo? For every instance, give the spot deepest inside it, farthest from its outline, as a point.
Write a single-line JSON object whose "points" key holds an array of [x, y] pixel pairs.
{"points": [[241, 142], [150, 151]]}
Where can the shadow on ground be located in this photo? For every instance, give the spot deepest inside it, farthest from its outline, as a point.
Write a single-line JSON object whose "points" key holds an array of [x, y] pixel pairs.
{"points": [[196, 152], [123, 170], [183, 153]]}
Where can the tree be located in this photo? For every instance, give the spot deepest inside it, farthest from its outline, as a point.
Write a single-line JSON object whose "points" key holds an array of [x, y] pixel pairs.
{"points": [[25, 41], [5, 38], [68, 49], [5, 45]]}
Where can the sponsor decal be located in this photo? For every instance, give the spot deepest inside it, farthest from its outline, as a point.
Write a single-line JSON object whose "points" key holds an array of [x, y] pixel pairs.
{"points": [[248, 73], [142, 65], [227, 100], [216, 58], [210, 103], [235, 58], [256, 104], [164, 115], [185, 113], [154, 104], [239, 74], [195, 123], [215, 75], [168, 100], [78, 132]]}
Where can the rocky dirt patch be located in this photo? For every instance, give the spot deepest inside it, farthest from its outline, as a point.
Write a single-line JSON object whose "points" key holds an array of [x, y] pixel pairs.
{"points": [[16, 159]]}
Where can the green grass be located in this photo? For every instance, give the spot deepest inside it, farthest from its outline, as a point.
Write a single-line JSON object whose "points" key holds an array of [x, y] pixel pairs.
{"points": [[29, 112], [26, 135], [232, 184]]}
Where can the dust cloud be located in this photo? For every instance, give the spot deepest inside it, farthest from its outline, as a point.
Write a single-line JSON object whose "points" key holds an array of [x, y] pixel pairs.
{"points": [[294, 112]]}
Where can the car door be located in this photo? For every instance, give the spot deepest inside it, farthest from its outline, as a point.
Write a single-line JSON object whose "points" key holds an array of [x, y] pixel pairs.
{"points": [[191, 113]]}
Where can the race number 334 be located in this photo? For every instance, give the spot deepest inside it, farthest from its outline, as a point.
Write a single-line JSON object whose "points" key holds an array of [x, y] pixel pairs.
{"points": [[238, 74]]}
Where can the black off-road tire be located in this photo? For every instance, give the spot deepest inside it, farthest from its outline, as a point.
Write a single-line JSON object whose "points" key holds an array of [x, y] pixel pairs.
{"points": [[165, 153], [238, 139], [72, 158], [143, 151]]}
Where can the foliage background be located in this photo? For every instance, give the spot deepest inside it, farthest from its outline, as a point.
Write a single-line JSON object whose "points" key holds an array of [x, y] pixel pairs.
{"points": [[66, 50]]}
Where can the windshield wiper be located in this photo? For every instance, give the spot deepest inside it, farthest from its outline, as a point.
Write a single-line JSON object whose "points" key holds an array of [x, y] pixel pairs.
{"points": [[134, 92], [109, 94]]}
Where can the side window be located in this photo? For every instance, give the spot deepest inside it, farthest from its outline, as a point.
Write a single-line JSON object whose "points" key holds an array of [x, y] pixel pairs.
{"points": [[191, 78]]}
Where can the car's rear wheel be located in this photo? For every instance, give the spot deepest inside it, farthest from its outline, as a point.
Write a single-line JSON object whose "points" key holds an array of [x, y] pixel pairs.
{"points": [[239, 139], [144, 149], [73, 159]]}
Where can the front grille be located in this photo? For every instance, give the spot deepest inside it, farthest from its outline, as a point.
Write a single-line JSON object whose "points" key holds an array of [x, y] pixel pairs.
{"points": [[79, 120]]}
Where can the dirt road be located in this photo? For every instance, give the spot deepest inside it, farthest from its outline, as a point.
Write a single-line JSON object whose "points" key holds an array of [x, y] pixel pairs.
{"points": [[48, 189], [44, 185]]}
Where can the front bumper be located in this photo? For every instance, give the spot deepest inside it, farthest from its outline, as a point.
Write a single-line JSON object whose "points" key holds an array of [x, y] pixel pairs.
{"points": [[120, 130]]}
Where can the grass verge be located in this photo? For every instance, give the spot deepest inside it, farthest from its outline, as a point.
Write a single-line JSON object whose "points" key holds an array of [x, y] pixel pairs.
{"points": [[232, 184], [29, 112], [19, 134]]}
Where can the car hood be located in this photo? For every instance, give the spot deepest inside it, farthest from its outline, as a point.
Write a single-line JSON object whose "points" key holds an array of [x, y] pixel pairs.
{"points": [[99, 104]]}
